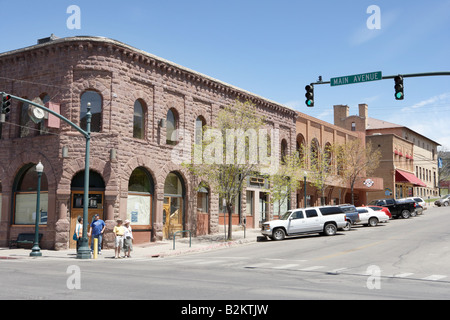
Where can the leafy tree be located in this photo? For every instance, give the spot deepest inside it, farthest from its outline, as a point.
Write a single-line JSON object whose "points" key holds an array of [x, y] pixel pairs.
{"points": [[285, 180], [229, 153]]}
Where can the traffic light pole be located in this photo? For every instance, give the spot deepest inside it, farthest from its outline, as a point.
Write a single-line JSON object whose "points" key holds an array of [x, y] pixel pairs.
{"points": [[399, 87], [408, 75], [83, 252]]}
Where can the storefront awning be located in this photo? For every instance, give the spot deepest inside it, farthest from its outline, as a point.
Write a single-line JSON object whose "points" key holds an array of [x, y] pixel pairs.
{"points": [[406, 177]]}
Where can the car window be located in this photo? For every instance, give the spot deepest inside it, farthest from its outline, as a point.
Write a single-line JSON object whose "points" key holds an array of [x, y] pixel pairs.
{"points": [[311, 213], [389, 201], [362, 210], [418, 199], [297, 215], [336, 210], [286, 215]]}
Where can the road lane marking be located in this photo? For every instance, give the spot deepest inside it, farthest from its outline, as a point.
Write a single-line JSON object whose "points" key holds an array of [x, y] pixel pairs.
{"points": [[434, 277], [286, 266], [258, 265], [402, 275]]}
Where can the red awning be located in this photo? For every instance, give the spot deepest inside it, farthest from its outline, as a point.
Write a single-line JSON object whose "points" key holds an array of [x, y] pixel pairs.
{"points": [[406, 177]]}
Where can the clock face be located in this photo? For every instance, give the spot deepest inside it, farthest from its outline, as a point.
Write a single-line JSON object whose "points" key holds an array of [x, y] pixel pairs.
{"points": [[38, 113]]}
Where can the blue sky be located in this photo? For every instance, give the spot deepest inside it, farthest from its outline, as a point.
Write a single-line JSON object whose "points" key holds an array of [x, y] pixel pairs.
{"points": [[274, 48]]}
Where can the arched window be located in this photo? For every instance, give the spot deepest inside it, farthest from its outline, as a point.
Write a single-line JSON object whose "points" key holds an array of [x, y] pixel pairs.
{"points": [[25, 194], [328, 157], [96, 102], [140, 192], [42, 125], [284, 151], [200, 122], [27, 127], [171, 127], [300, 146], [139, 120], [314, 152]]}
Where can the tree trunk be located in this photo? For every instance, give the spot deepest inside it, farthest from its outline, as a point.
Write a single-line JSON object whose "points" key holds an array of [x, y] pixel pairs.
{"points": [[230, 222]]}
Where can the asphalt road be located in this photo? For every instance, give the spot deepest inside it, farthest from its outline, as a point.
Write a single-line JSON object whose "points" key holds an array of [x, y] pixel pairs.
{"points": [[403, 259]]}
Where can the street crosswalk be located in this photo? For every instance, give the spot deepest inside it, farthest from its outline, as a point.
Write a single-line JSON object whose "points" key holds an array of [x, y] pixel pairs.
{"points": [[296, 265]]}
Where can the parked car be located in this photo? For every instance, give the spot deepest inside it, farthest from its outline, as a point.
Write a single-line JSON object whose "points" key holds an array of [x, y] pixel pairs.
{"points": [[384, 209], [371, 217], [444, 201], [421, 204], [397, 208], [325, 220], [351, 215]]}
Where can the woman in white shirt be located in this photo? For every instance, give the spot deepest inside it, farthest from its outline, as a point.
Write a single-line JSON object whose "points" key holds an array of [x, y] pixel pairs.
{"points": [[128, 239]]}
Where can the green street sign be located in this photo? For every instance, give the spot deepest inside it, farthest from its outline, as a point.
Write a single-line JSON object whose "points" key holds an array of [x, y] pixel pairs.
{"points": [[356, 78]]}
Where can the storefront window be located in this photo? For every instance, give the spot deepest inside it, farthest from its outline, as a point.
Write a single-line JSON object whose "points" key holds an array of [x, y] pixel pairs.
{"points": [[139, 204], [25, 197]]}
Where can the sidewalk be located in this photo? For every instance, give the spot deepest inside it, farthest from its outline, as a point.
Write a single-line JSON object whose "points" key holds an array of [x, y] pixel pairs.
{"points": [[151, 250]]}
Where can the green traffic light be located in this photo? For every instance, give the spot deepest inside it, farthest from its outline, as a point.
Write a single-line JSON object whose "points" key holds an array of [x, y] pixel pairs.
{"points": [[399, 95]]}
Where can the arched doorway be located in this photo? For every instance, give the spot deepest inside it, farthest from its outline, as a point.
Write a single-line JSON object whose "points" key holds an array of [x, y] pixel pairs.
{"points": [[96, 200], [174, 207]]}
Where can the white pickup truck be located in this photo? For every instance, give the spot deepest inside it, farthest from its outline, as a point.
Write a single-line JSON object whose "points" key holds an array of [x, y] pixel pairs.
{"points": [[325, 220]]}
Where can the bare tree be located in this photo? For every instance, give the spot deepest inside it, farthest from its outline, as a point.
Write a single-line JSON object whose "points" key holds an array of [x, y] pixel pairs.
{"points": [[354, 160]]}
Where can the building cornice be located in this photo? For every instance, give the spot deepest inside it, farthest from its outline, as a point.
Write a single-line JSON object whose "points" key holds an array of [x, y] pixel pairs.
{"points": [[103, 44]]}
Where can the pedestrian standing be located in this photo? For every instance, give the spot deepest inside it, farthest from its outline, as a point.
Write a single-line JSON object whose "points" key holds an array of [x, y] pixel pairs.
{"points": [[96, 231], [79, 231], [119, 232], [128, 239]]}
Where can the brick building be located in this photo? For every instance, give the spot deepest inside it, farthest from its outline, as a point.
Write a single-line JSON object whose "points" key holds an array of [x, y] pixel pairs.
{"points": [[408, 164], [137, 100], [315, 133]]}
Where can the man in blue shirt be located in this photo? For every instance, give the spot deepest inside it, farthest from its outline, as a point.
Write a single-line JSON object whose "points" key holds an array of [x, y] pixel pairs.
{"points": [[96, 231]]}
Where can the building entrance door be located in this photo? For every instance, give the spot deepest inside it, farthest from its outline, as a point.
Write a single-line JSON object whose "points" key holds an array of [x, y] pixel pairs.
{"points": [[96, 200], [172, 216]]}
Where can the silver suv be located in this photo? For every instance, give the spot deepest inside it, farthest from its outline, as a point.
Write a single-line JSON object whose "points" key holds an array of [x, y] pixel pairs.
{"points": [[325, 220]]}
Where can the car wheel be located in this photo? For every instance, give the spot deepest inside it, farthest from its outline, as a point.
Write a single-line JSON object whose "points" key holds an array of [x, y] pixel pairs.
{"points": [[278, 234], [446, 204], [405, 214], [373, 222], [330, 229], [347, 227]]}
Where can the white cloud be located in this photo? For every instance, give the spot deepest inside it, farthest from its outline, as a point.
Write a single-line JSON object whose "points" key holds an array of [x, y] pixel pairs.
{"points": [[439, 99]]}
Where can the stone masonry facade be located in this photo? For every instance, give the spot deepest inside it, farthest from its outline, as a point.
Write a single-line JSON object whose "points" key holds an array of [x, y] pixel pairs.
{"points": [[64, 69]]}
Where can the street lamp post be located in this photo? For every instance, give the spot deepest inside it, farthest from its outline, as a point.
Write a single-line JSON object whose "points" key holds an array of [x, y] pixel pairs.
{"points": [[84, 252], [36, 251]]}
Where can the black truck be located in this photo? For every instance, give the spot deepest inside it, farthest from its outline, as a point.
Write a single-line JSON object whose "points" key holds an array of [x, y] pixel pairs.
{"points": [[398, 208]]}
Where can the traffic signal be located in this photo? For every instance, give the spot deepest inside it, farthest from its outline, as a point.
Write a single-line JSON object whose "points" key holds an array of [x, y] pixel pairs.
{"points": [[309, 95], [399, 94], [6, 104]]}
